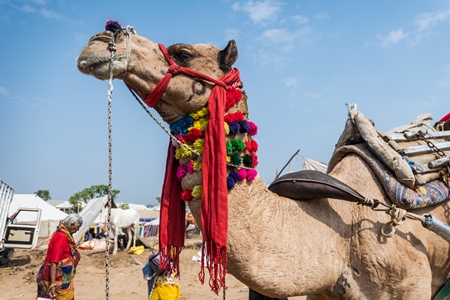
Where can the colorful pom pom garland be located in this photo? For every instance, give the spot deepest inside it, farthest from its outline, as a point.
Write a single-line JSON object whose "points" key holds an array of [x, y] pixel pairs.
{"points": [[241, 154], [112, 25]]}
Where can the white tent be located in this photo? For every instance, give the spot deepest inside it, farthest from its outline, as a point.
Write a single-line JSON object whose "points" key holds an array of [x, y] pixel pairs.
{"points": [[89, 214], [50, 216], [67, 207], [133, 206], [311, 164]]}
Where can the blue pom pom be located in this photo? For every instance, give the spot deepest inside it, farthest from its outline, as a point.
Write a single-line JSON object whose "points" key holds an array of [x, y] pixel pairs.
{"points": [[230, 183], [244, 126], [232, 178], [234, 127], [112, 25]]}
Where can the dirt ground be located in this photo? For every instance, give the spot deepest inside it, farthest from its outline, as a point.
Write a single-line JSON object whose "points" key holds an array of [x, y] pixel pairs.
{"points": [[125, 276]]}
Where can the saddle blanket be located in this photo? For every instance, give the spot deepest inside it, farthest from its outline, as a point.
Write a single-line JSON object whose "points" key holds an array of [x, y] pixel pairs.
{"points": [[429, 194], [414, 153]]}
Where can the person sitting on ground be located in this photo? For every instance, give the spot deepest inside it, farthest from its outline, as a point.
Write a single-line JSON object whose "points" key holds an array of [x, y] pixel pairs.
{"points": [[88, 236], [161, 284]]}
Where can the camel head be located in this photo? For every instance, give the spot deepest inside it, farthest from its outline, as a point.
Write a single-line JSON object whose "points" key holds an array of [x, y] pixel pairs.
{"points": [[196, 90], [141, 64]]}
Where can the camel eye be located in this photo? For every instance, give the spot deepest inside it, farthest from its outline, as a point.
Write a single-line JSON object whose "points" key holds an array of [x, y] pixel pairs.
{"points": [[183, 56]]}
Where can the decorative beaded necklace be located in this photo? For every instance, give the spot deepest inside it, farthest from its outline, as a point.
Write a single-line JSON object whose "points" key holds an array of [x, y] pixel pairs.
{"points": [[240, 145]]}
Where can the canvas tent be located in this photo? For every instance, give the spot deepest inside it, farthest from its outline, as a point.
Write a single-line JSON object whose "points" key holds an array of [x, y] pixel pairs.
{"points": [[50, 216], [311, 164], [89, 214]]}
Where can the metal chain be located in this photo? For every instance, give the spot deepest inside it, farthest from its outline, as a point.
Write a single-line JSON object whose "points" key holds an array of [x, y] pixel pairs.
{"points": [[443, 173], [430, 144], [112, 49], [173, 138]]}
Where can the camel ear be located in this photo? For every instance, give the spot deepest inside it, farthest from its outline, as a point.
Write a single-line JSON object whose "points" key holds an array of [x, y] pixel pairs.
{"points": [[228, 56]]}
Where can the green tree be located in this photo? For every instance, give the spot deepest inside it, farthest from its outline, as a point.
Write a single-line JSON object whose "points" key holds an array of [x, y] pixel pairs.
{"points": [[124, 206], [43, 194], [95, 191], [76, 202]]}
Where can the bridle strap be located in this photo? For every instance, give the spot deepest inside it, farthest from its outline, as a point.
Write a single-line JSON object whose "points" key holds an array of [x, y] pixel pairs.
{"points": [[173, 70]]}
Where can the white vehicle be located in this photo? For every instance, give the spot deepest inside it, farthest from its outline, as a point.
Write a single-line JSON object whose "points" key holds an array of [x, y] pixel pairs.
{"points": [[14, 235]]}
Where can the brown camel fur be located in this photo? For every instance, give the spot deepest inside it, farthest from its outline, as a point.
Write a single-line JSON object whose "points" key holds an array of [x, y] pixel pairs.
{"points": [[323, 248]]}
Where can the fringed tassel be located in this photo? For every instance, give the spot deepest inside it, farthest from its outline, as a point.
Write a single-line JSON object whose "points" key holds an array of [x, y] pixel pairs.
{"points": [[215, 258], [170, 260]]}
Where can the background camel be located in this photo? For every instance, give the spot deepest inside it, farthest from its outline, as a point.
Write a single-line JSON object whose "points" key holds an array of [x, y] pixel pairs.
{"points": [[323, 248]]}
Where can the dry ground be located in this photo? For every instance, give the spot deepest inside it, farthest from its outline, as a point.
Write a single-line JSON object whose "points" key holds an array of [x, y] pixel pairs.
{"points": [[125, 276]]}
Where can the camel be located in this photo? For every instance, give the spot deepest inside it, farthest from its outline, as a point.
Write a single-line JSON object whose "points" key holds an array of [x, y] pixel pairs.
{"points": [[322, 248]]}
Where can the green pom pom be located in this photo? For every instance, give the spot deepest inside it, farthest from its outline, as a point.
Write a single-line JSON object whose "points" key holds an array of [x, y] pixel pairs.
{"points": [[248, 160], [238, 145], [229, 147], [235, 159]]}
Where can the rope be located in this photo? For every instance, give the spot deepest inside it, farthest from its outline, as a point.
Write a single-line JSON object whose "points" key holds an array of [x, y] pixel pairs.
{"points": [[112, 48]]}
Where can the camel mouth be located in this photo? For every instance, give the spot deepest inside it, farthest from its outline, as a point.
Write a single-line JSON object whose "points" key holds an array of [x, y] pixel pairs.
{"points": [[93, 66], [100, 67]]}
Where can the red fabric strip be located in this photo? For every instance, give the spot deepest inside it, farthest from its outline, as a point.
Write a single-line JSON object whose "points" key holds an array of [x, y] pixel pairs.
{"points": [[445, 118], [214, 210], [172, 216]]}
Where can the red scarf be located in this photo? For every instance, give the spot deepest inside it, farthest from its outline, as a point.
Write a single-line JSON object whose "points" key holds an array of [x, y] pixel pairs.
{"points": [[214, 207]]}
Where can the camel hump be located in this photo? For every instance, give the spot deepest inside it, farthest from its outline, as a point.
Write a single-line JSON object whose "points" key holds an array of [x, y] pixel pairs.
{"points": [[311, 184]]}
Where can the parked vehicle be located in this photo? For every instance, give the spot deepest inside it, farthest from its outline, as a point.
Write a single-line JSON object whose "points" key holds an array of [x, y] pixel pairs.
{"points": [[13, 234]]}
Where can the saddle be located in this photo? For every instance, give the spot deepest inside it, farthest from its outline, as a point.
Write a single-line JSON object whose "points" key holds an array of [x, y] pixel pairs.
{"points": [[417, 153], [311, 184], [403, 159]]}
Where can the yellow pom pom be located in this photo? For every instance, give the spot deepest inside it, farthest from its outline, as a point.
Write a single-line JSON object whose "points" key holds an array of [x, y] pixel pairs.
{"points": [[227, 128], [197, 192], [197, 165], [198, 145]]}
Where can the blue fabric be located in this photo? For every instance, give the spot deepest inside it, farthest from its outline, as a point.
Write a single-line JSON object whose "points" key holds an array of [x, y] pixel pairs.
{"points": [[150, 276]]}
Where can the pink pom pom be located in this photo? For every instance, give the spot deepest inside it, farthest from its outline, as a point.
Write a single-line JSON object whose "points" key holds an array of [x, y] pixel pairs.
{"points": [[242, 174], [190, 167], [181, 171], [251, 174], [252, 128]]}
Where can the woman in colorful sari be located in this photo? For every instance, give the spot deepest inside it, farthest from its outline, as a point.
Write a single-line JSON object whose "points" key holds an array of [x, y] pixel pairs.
{"points": [[55, 277]]}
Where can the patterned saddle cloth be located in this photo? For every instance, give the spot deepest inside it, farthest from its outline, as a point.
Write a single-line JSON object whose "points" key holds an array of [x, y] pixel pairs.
{"points": [[402, 196]]}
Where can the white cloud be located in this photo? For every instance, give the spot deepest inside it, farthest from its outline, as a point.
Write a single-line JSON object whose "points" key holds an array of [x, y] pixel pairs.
{"points": [[426, 22], [313, 95], [26, 9], [291, 82], [423, 25], [300, 19], [48, 14], [265, 58], [40, 2], [259, 11], [392, 37], [4, 91], [284, 36], [322, 16], [232, 34]]}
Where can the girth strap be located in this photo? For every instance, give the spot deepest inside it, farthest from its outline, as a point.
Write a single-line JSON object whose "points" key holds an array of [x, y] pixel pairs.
{"points": [[310, 184]]}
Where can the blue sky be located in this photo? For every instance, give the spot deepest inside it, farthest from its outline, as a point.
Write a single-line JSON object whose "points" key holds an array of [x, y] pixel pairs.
{"points": [[300, 62]]}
